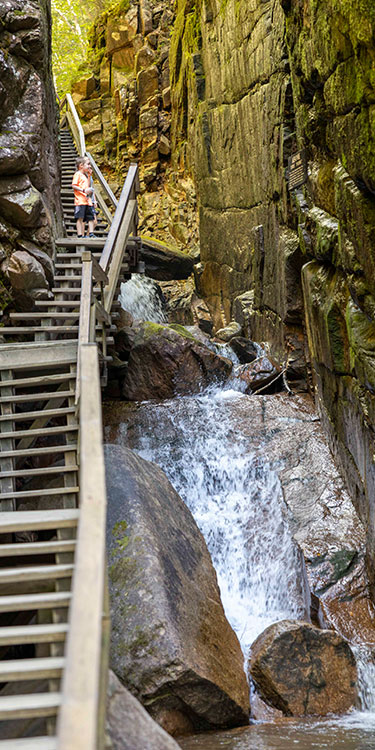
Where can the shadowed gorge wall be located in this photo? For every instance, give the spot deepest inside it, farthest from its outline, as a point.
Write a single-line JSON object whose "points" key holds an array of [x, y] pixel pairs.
{"points": [[251, 83], [29, 165]]}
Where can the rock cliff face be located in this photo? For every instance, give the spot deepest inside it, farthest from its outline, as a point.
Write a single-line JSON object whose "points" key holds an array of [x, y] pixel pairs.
{"points": [[123, 98], [29, 167], [253, 82]]}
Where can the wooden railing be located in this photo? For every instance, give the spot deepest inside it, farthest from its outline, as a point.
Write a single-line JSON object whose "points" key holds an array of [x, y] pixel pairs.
{"points": [[103, 191], [82, 715]]}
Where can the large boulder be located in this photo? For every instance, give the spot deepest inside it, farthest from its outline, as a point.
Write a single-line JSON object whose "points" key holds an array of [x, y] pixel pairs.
{"points": [[259, 374], [167, 360], [172, 645], [129, 726], [302, 670], [165, 263]]}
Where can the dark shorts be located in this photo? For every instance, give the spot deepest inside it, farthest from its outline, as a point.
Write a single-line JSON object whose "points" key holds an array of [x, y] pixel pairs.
{"points": [[86, 213]]}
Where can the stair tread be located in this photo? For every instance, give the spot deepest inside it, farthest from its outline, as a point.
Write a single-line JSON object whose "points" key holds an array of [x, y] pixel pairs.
{"points": [[30, 743], [83, 241], [38, 451], [20, 416], [26, 602], [29, 705], [19, 549], [27, 520], [17, 634], [42, 315], [61, 377], [19, 669], [38, 432], [45, 470], [35, 572], [39, 493], [45, 396]]}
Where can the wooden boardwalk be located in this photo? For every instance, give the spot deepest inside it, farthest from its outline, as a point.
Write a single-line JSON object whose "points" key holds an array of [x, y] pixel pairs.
{"points": [[54, 623]]}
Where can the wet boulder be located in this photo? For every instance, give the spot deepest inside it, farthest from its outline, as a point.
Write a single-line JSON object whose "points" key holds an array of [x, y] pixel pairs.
{"points": [[26, 275], [172, 645], [165, 263], [302, 670], [260, 373], [229, 332], [245, 349], [129, 726], [167, 360]]}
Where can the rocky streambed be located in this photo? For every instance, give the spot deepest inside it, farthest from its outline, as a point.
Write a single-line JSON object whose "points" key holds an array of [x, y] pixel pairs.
{"points": [[245, 480]]}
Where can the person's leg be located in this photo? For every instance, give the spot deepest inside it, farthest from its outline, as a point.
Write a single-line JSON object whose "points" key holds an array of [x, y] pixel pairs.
{"points": [[79, 213], [80, 228], [90, 218]]}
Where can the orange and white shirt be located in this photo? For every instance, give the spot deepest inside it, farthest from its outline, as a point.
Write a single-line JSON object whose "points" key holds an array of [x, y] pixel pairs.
{"points": [[81, 182]]}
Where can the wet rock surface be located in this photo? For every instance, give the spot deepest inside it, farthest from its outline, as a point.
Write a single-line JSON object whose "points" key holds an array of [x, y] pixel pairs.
{"points": [[171, 643], [302, 670], [165, 361], [260, 373], [287, 432], [165, 263]]}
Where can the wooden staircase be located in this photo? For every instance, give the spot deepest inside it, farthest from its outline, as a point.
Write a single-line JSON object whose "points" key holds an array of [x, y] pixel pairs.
{"points": [[54, 626]]}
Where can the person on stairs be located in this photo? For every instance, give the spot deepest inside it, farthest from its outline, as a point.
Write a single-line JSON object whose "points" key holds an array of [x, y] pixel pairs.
{"points": [[89, 172], [83, 209]]}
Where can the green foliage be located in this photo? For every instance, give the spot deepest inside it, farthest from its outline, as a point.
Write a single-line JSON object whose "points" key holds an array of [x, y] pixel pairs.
{"points": [[72, 20]]}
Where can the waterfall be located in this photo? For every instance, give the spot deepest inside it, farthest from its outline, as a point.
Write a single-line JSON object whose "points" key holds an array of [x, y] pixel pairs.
{"points": [[141, 297], [236, 499], [365, 659]]}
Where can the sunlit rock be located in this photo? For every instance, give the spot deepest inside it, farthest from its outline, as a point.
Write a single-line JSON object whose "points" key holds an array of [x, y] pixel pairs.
{"points": [[172, 645], [167, 360], [304, 671]]}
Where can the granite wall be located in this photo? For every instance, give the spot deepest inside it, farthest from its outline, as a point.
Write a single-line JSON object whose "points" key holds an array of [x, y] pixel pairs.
{"points": [[252, 82], [30, 209]]}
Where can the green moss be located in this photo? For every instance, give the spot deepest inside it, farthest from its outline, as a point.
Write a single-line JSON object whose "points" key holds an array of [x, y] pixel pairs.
{"points": [[182, 331]]}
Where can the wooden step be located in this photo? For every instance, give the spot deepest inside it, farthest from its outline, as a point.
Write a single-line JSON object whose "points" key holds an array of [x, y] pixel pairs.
{"points": [[29, 706], [61, 377], [35, 573], [43, 315], [17, 634], [38, 493], [41, 432], [27, 602], [19, 549], [30, 743], [76, 290], [16, 670], [40, 472], [29, 452], [46, 396], [16, 330], [60, 303], [29, 415], [35, 520]]}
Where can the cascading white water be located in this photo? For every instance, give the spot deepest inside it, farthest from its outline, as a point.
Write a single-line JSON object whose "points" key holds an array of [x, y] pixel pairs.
{"points": [[140, 297], [236, 500], [366, 676]]}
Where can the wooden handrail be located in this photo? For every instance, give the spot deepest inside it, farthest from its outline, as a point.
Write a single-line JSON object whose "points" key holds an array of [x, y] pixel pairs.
{"points": [[130, 190], [80, 714], [103, 190], [102, 181], [75, 124]]}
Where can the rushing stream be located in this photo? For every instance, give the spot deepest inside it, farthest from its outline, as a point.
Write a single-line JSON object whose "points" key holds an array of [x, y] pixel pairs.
{"points": [[204, 444]]}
